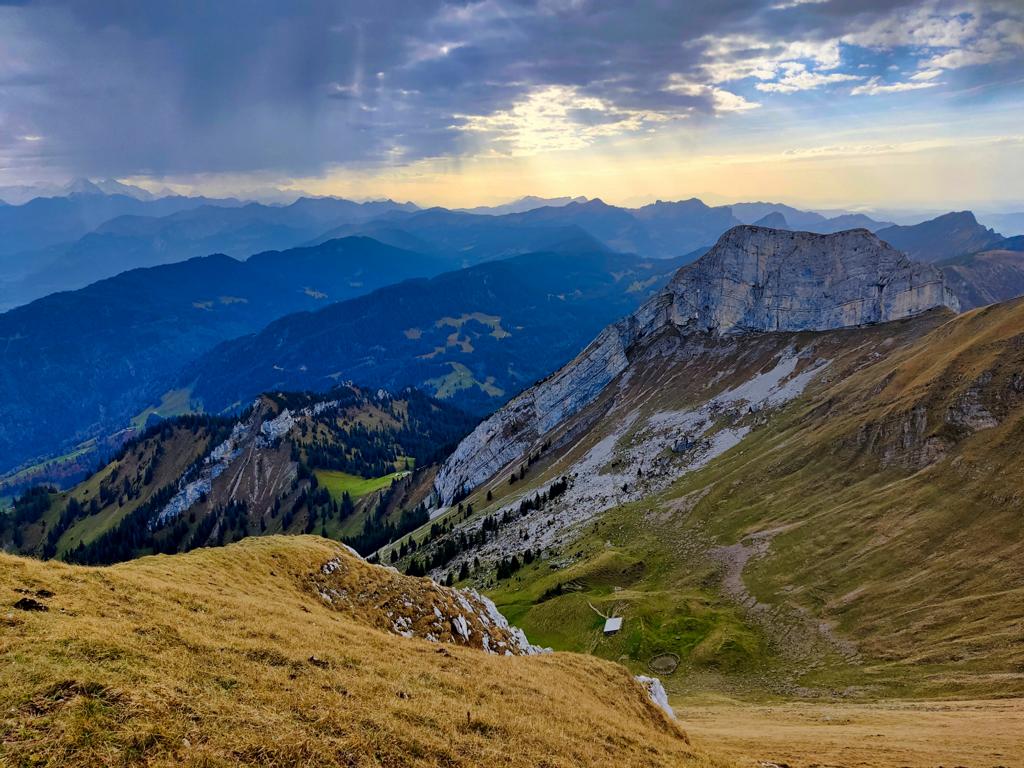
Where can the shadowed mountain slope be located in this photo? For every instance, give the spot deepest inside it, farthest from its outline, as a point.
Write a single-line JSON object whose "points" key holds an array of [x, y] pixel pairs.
{"points": [[79, 364], [944, 237], [989, 276], [474, 336]]}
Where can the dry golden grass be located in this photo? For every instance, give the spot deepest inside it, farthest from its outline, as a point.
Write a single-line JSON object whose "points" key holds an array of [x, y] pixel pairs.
{"points": [[229, 656], [883, 734]]}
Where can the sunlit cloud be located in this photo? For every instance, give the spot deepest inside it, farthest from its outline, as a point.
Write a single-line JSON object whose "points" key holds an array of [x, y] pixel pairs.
{"points": [[797, 78], [875, 87], [555, 118], [742, 56]]}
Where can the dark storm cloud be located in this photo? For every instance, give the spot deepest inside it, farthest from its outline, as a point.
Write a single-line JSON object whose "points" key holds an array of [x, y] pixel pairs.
{"points": [[121, 88]]}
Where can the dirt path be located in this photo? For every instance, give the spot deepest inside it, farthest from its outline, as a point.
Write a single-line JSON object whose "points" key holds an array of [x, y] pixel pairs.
{"points": [[973, 734], [795, 633]]}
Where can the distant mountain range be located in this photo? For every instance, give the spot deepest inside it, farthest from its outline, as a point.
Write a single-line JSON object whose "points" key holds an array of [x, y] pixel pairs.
{"points": [[522, 205], [19, 194], [944, 237], [89, 230], [47, 221], [660, 230], [806, 221], [1011, 224], [82, 363], [475, 336], [142, 234]]}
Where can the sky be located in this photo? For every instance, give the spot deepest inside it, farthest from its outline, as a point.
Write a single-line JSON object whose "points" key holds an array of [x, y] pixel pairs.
{"points": [[846, 103]]}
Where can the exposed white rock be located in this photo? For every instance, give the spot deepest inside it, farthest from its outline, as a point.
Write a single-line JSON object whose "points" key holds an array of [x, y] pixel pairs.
{"points": [[279, 426], [498, 620], [657, 693], [638, 458]]}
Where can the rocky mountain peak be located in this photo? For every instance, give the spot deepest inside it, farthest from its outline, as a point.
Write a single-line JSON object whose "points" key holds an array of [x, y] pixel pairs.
{"points": [[762, 279], [755, 279]]}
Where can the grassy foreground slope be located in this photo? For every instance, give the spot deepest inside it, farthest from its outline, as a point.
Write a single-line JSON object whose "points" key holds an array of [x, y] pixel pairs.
{"points": [[233, 656]]}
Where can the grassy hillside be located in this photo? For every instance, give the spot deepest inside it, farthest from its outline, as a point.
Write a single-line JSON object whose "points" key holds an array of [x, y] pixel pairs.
{"points": [[861, 540], [130, 480], [231, 656]]}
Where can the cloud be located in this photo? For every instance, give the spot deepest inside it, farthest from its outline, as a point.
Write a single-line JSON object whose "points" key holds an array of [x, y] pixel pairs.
{"points": [[554, 118], [787, 4], [875, 87], [741, 57], [797, 78], [948, 35], [238, 87], [721, 99]]}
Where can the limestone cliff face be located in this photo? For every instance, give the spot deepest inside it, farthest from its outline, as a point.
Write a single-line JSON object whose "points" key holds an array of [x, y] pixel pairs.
{"points": [[755, 279], [759, 279]]}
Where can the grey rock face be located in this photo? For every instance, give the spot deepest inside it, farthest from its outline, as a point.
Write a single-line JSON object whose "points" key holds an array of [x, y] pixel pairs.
{"points": [[755, 279], [758, 279]]}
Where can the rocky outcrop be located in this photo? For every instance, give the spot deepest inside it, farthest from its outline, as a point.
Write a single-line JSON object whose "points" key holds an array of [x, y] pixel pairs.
{"points": [[755, 279], [382, 597]]}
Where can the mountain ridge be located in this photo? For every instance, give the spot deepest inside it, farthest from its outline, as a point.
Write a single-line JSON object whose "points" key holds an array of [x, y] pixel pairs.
{"points": [[133, 332], [947, 236], [754, 279]]}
